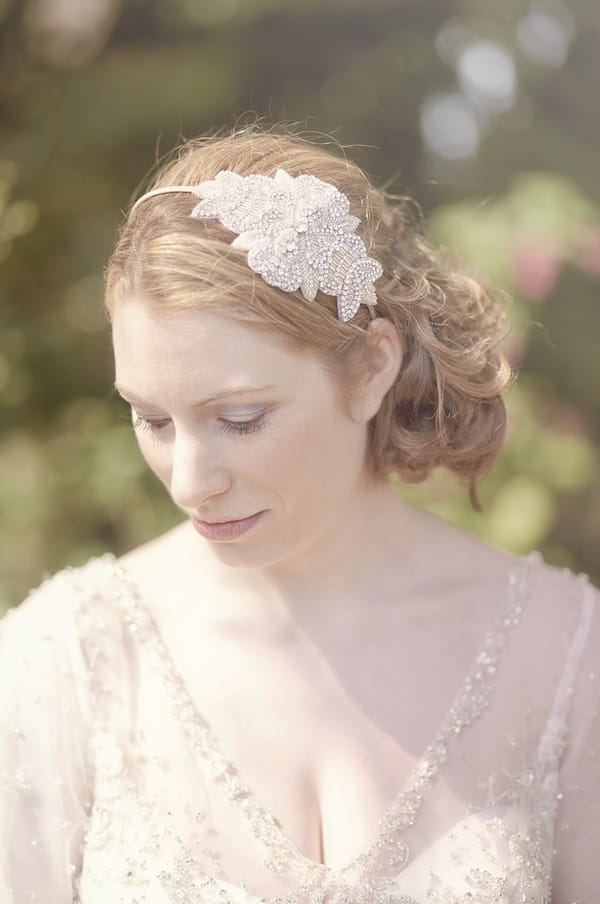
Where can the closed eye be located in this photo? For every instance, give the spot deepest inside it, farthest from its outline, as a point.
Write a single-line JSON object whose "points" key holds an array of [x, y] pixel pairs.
{"points": [[227, 425], [241, 427], [142, 423]]}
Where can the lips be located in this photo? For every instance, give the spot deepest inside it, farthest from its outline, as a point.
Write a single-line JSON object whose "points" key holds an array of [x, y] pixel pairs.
{"points": [[226, 530]]}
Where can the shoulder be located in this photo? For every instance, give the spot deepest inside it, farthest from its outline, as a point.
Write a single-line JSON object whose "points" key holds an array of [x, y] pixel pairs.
{"points": [[556, 612], [550, 599], [168, 568], [559, 614], [572, 606], [552, 583], [65, 590], [67, 620], [555, 665], [577, 711], [565, 606]]}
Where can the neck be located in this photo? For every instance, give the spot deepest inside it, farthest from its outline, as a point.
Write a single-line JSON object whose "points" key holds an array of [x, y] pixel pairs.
{"points": [[351, 549], [357, 557]]}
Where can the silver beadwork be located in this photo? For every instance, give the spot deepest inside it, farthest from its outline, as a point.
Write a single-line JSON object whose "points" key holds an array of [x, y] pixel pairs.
{"points": [[389, 853], [297, 230]]}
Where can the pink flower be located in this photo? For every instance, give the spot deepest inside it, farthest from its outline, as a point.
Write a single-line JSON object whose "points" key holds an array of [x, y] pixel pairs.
{"points": [[535, 265]]}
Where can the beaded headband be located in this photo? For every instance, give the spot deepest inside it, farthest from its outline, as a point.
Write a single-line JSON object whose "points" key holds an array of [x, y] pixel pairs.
{"points": [[298, 233]]}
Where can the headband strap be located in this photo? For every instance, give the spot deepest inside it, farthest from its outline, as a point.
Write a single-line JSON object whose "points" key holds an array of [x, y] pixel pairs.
{"points": [[298, 232], [165, 190]]}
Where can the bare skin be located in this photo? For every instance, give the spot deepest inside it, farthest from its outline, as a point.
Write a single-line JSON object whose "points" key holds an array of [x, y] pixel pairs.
{"points": [[306, 636]]}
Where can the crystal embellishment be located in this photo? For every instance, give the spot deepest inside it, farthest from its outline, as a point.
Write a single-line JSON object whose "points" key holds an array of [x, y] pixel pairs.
{"points": [[298, 232], [369, 874]]}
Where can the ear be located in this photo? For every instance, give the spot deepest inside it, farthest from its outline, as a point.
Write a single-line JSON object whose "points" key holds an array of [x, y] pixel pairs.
{"points": [[381, 365]]}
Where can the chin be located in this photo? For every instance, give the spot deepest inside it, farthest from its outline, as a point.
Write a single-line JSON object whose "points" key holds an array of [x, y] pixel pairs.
{"points": [[274, 549], [244, 555]]}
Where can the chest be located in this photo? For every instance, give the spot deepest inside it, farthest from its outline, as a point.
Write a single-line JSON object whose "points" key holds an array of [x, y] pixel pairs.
{"points": [[247, 768], [325, 741], [155, 835]]}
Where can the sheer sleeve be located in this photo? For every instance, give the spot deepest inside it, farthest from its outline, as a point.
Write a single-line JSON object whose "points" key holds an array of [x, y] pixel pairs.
{"points": [[576, 874], [44, 764]]}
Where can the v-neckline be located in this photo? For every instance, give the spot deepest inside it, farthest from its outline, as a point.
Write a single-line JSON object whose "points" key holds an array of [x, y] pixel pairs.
{"points": [[387, 845]]}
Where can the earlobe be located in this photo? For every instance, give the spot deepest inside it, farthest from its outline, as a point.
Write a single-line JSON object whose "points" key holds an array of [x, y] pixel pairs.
{"points": [[382, 362]]}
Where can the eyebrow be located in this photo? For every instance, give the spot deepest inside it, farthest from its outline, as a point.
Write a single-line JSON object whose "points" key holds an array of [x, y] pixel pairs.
{"points": [[139, 400]]}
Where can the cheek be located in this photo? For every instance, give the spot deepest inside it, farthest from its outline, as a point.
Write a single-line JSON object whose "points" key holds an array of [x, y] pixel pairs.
{"points": [[311, 455]]}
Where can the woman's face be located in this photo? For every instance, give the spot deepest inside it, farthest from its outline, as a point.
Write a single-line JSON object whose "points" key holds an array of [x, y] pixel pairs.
{"points": [[251, 439]]}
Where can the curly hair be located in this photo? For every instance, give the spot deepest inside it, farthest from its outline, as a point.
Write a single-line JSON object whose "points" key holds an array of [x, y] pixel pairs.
{"points": [[446, 406]]}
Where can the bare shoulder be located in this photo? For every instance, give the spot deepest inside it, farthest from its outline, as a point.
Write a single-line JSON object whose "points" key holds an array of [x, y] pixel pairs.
{"points": [[468, 560], [468, 569], [457, 560]]}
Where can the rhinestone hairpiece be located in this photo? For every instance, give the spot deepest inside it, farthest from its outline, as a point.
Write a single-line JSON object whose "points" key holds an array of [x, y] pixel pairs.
{"points": [[297, 230]]}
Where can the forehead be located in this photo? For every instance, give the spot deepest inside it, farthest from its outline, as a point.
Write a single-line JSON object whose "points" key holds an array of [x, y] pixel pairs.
{"points": [[163, 351]]}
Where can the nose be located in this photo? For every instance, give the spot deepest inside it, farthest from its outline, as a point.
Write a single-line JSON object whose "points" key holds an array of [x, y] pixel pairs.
{"points": [[198, 472]]}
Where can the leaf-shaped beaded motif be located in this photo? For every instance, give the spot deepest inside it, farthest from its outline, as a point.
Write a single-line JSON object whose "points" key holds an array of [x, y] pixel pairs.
{"points": [[298, 232]]}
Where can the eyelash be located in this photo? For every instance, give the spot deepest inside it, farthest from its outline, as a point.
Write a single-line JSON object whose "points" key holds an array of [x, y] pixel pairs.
{"points": [[141, 423], [239, 427]]}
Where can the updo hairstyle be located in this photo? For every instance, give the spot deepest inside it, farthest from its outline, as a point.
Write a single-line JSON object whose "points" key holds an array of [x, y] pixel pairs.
{"points": [[445, 407]]}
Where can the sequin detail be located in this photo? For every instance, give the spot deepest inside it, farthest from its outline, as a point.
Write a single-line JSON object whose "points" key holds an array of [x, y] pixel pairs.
{"points": [[389, 852], [298, 232], [158, 823]]}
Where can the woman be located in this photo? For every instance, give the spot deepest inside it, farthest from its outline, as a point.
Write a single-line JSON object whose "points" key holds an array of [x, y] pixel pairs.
{"points": [[308, 691]]}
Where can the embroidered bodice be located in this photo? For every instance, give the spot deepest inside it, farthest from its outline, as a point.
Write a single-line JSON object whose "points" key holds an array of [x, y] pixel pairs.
{"points": [[114, 788]]}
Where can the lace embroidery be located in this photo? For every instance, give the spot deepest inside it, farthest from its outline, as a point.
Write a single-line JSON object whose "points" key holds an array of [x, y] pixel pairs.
{"points": [[389, 853], [135, 851], [520, 865]]}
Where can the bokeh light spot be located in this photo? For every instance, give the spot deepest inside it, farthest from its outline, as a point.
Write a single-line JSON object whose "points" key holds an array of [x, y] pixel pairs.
{"points": [[18, 218], [451, 40], [449, 126], [546, 32], [69, 33], [487, 75], [522, 514]]}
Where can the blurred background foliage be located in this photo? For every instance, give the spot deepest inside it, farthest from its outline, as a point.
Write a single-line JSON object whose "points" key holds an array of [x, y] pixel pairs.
{"points": [[487, 113]]}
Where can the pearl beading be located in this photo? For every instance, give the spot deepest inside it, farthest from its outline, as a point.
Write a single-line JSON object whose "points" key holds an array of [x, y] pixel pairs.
{"points": [[318, 883]]}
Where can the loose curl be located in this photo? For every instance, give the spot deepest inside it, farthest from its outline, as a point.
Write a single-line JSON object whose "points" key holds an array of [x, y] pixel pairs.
{"points": [[446, 406]]}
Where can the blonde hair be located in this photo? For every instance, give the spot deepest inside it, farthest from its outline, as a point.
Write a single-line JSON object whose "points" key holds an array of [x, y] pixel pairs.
{"points": [[445, 407]]}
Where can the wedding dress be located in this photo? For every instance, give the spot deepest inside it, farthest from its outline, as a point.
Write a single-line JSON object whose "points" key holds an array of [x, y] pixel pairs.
{"points": [[114, 789]]}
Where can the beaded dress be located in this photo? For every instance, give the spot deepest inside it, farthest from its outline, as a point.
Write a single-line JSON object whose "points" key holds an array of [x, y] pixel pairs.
{"points": [[114, 789]]}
